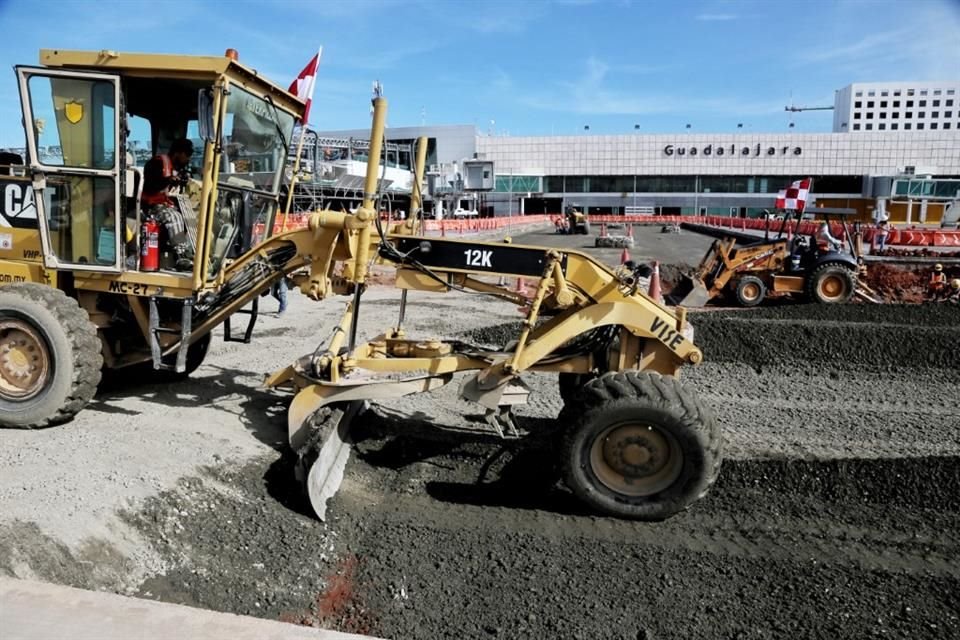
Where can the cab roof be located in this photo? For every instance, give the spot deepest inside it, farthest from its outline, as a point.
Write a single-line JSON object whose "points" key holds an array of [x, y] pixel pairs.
{"points": [[161, 64]]}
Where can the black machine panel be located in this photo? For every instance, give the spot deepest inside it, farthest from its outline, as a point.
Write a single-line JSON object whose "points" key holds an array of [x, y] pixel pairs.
{"points": [[475, 257]]}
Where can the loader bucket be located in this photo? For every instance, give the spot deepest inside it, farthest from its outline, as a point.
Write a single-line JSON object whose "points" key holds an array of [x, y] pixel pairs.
{"points": [[689, 292]]}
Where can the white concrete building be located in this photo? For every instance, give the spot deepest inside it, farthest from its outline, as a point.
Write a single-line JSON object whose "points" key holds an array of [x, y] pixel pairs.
{"points": [[897, 106]]}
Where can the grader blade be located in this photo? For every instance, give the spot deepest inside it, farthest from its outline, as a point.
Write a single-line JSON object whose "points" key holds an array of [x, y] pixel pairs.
{"points": [[318, 427], [327, 458]]}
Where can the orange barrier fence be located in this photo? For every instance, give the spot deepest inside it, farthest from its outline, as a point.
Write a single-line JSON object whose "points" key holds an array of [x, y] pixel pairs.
{"points": [[909, 236], [904, 236]]}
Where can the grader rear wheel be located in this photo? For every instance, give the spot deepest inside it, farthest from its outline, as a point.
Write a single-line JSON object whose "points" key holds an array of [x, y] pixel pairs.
{"points": [[639, 445], [50, 356]]}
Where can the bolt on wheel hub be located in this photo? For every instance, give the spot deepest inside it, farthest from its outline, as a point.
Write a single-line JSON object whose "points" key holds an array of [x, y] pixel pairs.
{"points": [[24, 360], [636, 460]]}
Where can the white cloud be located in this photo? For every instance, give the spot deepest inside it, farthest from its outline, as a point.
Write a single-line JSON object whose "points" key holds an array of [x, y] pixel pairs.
{"points": [[593, 94], [715, 17], [924, 47]]}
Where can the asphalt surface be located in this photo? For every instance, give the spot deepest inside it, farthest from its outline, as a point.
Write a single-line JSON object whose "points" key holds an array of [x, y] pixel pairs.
{"points": [[836, 513]]}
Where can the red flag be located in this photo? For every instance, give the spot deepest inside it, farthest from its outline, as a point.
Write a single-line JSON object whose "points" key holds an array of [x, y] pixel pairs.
{"points": [[795, 196], [302, 87]]}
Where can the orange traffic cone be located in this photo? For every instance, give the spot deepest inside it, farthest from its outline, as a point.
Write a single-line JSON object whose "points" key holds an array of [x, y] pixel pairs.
{"points": [[655, 282], [625, 256]]}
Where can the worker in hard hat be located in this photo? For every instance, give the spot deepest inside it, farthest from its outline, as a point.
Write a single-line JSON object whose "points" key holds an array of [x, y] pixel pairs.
{"points": [[954, 294], [938, 282]]}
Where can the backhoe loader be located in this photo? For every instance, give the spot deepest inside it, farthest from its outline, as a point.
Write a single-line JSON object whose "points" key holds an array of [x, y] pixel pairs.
{"points": [[748, 269], [634, 441]]}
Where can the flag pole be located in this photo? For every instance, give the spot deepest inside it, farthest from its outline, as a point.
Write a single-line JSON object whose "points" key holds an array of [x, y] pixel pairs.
{"points": [[293, 178], [303, 130]]}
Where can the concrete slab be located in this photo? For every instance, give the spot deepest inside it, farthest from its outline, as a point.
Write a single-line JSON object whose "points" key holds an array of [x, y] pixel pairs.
{"points": [[41, 611]]}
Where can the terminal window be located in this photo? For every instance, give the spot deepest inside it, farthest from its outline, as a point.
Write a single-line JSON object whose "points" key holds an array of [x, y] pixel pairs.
{"points": [[950, 92], [859, 94], [893, 126], [908, 114], [856, 127], [883, 93], [909, 92], [883, 116], [869, 116], [857, 104], [883, 125], [897, 92], [936, 92], [895, 115], [923, 92], [883, 104], [949, 103], [909, 103], [923, 103], [906, 125], [870, 105], [936, 103], [934, 114], [933, 125], [896, 103], [856, 116], [871, 93], [869, 127], [921, 114], [919, 125], [948, 114], [946, 125]]}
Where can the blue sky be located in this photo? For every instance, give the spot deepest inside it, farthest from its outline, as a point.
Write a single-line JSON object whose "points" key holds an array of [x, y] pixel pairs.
{"points": [[537, 67]]}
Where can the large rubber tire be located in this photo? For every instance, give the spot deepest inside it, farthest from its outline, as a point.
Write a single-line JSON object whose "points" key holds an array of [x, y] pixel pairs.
{"points": [[64, 340], [668, 442], [750, 291], [831, 283], [570, 385]]}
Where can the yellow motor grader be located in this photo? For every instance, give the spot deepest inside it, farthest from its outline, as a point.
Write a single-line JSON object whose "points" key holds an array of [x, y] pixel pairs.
{"points": [[76, 297]]}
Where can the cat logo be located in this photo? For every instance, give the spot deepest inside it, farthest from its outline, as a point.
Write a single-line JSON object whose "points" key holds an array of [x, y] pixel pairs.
{"points": [[73, 111]]}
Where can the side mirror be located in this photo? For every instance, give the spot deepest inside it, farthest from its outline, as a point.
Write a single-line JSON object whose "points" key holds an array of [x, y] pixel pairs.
{"points": [[205, 115]]}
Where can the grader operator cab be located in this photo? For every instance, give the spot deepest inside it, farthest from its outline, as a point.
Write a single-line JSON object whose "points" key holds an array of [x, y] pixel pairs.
{"points": [[635, 441], [821, 268]]}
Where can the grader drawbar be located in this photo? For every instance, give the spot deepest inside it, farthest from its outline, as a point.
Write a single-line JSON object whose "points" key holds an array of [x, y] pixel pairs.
{"points": [[636, 442]]}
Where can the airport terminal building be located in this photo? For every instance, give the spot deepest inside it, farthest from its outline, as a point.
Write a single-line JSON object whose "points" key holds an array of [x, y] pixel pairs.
{"points": [[911, 175]]}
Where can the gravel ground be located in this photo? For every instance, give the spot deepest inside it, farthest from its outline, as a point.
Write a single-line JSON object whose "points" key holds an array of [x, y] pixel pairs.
{"points": [[836, 513]]}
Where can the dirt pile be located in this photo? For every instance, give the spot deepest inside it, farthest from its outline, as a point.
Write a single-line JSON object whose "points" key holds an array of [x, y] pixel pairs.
{"points": [[837, 337]]}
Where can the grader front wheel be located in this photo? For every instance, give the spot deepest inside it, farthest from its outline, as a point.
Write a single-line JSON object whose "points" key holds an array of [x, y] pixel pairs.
{"points": [[50, 356], [639, 445]]}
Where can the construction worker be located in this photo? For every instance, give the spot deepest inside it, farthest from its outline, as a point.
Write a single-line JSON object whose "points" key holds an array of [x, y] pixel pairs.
{"points": [[162, 173], [825, 239], [938, 282], [954, 294], [883, 232]]}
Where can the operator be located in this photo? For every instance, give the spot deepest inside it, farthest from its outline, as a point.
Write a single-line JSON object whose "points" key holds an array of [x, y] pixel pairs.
{"points": [[954, 294], [161, 174], [938, 282], [825, 238]]}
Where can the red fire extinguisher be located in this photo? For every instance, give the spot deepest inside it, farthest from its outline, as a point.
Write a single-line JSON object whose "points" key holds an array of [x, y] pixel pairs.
{"points": [[150, 245]]}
